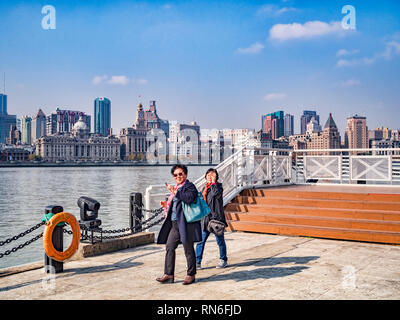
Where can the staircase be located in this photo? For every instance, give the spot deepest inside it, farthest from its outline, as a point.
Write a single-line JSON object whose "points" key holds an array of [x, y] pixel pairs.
{"points": [[336, 213]]}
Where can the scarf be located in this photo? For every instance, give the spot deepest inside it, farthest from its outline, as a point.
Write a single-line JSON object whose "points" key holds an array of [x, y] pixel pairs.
{"points": [[171, 197], [208, 185]]}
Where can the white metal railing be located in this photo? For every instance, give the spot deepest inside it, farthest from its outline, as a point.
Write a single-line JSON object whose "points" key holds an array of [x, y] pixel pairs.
{"points": [[252, 167]]}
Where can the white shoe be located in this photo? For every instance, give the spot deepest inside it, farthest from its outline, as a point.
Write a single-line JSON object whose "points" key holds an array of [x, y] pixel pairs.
{"points": [[222, 264]]}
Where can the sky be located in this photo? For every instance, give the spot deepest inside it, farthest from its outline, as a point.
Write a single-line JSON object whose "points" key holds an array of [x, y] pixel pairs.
{"points": [[221, 63]]}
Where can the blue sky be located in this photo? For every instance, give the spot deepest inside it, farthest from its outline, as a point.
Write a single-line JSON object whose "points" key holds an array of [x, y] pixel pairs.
{"points": [[221, 63]]}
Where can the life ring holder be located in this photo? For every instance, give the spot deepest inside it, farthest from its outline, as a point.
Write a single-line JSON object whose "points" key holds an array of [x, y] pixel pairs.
{"points": [[48, 236]]}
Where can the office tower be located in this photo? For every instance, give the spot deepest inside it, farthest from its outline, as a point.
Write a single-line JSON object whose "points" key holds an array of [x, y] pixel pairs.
{"points": [[288, 125], [26, 130], [356, 136], [38, 128], [102, 116], [306, 118], [6, 120], [3, 104], [62, 121], [313, 126], [273, 123]]}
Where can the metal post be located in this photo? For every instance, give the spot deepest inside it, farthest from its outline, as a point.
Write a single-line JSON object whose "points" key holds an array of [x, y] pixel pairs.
{"points": [[57, 242], [135, 211]]}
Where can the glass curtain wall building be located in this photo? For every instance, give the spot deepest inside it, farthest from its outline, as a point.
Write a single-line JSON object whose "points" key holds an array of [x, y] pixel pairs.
{"points": [[102, 116]]}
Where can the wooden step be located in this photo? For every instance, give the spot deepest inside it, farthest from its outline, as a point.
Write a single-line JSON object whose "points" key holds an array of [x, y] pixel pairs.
{"points": [[317, 212], [318, 232], [271, 192], [372, 225], [319, 203]]}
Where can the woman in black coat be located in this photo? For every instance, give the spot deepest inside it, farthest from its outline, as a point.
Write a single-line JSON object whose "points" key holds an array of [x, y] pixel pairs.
{"points": [[176, 229], [213, 194]]}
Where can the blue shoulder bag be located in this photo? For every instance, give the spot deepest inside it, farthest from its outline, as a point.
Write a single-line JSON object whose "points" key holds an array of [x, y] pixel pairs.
{"points": [[197, 210]]}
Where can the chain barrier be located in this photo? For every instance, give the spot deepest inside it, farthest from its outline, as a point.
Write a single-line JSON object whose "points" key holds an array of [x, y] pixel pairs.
{"points": [[142, 226]]}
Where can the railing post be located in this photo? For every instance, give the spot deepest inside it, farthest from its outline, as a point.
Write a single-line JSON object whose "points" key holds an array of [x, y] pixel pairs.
{"points": [[57, 238], [135, 211]]}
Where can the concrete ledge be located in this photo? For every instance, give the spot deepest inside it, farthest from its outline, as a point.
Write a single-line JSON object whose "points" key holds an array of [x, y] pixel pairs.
{"points": [[90, 250]]}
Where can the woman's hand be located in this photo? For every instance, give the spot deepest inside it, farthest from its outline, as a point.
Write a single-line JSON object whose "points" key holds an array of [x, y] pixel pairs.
{"points": [[170, 188]]}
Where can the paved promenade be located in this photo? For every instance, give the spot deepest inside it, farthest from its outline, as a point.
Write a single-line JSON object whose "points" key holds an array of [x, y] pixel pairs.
{"points": [[261, 267]]}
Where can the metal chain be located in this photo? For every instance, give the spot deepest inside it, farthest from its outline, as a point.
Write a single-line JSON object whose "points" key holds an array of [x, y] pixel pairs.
{"points": [[2, 243], [6, 253], [141, 226]]}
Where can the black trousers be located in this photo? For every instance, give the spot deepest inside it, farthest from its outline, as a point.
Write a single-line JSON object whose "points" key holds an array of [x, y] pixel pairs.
{"points": [[172, 243]]}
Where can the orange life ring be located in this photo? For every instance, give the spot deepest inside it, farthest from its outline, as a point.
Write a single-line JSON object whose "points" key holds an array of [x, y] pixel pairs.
{"points": [[48, 236]]}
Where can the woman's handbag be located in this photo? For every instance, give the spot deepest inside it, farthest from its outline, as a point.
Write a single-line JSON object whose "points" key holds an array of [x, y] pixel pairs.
{"points": [[217, 227], [197, 210]]}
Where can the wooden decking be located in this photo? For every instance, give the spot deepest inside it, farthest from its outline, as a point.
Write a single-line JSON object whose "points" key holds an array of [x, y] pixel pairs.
{"points": [[361, 213]]}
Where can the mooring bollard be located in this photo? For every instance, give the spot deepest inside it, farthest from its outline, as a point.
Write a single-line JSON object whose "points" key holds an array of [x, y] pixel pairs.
{"points": [[135, 211], [57, 238]]}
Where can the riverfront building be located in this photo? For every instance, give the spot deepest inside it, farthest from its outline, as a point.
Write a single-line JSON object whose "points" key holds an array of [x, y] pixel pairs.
{"points": [[135, 140], [306, 118], [102, 116], [79, 145], [62, 121], [38, 129], [6, 120], [356, 136], [328, 138], [26, 130]]}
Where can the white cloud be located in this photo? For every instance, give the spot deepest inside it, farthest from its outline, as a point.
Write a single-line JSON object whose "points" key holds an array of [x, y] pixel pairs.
{"points": [[344, 52], [392, 48], [255, 48], [356, 62], [275, 96], [350, 83], [99, 79], [273, 10], [117, 80], [309, 30]]}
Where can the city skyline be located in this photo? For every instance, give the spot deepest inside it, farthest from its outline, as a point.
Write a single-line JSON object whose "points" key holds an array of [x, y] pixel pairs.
{"points": [[261, 57]]}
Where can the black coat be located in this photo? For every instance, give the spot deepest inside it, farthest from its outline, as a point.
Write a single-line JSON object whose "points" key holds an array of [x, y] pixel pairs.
{"points": [[215, 202], [189, 232]]}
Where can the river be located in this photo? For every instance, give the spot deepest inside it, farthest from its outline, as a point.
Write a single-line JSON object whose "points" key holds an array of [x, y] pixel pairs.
{"points": [[25, 192]]}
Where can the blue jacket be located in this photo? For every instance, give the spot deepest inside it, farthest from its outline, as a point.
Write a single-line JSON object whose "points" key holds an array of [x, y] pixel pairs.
{"points": [[189, 232]]}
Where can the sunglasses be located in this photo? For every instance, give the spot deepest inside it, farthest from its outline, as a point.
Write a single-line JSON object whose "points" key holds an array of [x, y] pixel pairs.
{"points": [[180, 174]]}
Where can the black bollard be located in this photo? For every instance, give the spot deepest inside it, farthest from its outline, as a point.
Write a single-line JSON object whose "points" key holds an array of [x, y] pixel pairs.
{"points": [[57, 242], [135, 211]]}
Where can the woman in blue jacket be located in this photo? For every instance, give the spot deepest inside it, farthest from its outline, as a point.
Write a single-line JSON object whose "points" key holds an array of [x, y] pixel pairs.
{"points": [[176, 229]]}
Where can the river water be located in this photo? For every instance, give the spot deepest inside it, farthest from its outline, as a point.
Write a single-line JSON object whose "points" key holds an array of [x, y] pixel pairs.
{"points": [[25, 192]]}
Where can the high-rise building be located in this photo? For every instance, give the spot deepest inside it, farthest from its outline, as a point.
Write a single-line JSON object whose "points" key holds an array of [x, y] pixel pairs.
{"points": [[273, 123], [38, 128], [3, 104], [26, 130], [288, 125], [306, 118], [313, 126], [6, 120], [102, 116], [62, 121], [356, 136]]}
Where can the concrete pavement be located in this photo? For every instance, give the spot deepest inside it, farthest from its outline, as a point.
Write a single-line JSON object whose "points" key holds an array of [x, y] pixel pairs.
{"points": [[261, 267]]}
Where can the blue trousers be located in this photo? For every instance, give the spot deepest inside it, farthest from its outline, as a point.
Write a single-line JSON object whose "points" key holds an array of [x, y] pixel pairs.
{"points": [[200, 246]]}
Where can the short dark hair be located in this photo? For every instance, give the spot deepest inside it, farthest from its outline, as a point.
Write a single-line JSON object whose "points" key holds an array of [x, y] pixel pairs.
{"points": [[179, 166], [211, 170]]}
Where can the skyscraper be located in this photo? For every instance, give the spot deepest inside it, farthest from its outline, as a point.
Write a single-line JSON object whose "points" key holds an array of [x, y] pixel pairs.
{"points": [[306, 118], [102, 116], [273, 123], [3, 104], [356, 136], [26, 130], [6, 120], [38, 126], [288, 125], [62, 121]]}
